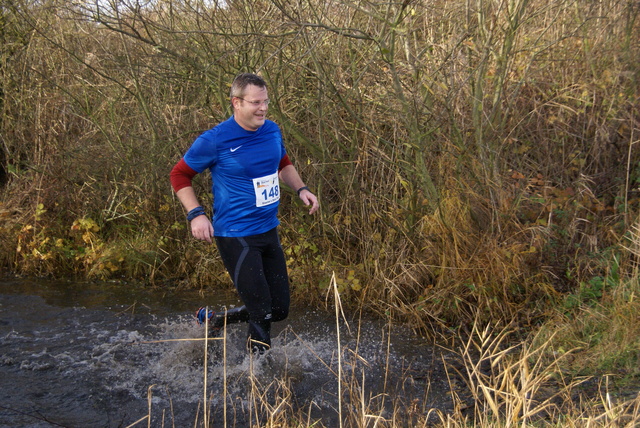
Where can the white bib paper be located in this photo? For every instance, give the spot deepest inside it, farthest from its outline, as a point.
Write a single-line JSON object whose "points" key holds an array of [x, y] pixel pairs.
{"points": [[267, 189]]}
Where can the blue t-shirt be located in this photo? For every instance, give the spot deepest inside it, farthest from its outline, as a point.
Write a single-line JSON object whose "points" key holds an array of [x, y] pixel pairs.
{"points": [[243, 166]]}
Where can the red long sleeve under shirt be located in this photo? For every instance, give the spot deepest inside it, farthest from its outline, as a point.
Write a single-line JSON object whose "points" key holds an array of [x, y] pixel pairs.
{"points": [[182, 174]]}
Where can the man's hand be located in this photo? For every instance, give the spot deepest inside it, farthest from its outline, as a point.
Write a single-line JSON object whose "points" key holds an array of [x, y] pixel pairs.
{"points": [[310, 199], [201, 228]]}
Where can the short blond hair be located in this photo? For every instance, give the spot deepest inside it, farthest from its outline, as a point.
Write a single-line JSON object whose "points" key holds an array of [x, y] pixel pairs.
{"points": [[243, 80]]}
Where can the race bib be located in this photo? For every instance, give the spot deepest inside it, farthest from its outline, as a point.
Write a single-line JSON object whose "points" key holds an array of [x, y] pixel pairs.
{"points": [[267, 190]]}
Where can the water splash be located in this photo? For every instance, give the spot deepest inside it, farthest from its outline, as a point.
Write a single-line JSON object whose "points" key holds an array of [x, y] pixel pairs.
{"points": [[95, 365]]}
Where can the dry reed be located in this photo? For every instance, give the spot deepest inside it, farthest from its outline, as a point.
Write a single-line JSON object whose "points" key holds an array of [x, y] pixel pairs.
{"points": [[497, 382]]}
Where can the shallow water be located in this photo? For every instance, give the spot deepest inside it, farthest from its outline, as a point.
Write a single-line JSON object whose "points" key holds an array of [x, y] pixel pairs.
{"points": [[107, 355]]}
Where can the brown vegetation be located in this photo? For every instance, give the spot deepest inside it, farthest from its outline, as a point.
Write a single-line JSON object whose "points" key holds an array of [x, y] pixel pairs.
{"points": [[476, 161]]}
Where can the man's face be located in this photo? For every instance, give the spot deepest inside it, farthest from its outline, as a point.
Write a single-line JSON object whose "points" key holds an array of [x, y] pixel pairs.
{"points": [[250, 111]]}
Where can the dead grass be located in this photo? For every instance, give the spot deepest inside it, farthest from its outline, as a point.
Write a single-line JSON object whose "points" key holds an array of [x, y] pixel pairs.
{"points": [[494, 383]]}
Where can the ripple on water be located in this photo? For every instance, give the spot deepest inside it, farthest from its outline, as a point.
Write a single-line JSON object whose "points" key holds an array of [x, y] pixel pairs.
{"points": [[95, 365]]}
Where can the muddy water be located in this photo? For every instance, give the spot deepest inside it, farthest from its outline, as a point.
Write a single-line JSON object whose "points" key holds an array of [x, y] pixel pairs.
{"points": [[107, 355]]}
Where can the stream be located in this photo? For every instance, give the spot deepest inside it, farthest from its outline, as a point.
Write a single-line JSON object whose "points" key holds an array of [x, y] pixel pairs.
{"points": [[85, 354]]}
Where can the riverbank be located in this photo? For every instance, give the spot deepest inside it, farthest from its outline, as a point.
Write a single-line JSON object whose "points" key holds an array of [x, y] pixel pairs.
{"points": [[110, 355], [476, 164]]}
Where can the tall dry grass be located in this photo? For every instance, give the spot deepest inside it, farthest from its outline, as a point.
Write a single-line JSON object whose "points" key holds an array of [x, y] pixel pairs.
{"points": [[476, 161], [494, 382]]}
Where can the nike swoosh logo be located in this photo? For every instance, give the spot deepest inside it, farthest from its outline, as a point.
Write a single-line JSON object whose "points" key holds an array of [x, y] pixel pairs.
{"points": [[234, 149]]}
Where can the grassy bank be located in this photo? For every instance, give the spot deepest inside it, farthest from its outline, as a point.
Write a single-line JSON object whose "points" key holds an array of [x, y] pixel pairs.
{"points": [[492, 382], [476, 161]]}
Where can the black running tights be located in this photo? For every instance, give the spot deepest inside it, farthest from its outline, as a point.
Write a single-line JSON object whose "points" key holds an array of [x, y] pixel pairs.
{"points": [[257, 267]]}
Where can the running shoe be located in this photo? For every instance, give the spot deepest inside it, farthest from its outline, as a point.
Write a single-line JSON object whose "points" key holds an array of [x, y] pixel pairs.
{"points": [[202, 315], [216, 320]]}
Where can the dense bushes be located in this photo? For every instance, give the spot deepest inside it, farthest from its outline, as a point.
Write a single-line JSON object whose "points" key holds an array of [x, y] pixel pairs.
{"points": [[471, 157]]}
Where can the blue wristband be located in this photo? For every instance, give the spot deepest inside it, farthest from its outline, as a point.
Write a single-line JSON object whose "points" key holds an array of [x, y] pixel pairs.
{"points": [[301, 189], [196, 212]]}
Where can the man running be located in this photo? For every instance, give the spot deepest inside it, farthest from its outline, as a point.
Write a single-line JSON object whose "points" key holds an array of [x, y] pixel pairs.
{"points": [[247, 159]]}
